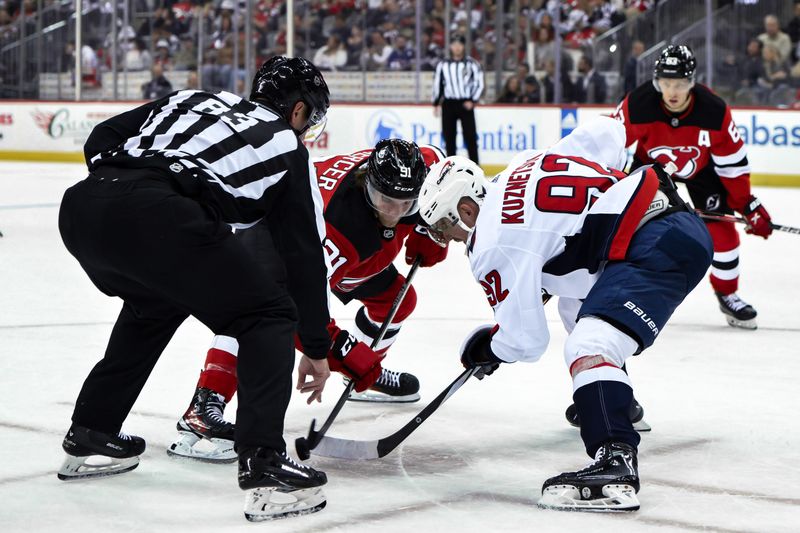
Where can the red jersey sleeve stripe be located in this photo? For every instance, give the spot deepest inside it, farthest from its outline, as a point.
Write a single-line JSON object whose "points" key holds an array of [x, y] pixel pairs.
{"points": [[632, 215]]}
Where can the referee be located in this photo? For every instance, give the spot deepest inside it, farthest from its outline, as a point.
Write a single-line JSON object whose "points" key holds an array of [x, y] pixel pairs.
{"points": [[458, 84], [152, 225]]}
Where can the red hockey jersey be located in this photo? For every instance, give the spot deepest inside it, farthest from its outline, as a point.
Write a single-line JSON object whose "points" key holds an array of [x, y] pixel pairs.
{"points": [[357, 245], [703, 141]]}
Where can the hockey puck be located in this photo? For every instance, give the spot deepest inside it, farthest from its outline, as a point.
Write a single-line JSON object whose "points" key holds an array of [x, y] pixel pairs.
{"points": [[301, 446]]}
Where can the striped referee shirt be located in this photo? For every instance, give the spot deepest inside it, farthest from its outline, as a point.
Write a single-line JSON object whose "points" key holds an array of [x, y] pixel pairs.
{"points": [[245, 163], [457, 80]]}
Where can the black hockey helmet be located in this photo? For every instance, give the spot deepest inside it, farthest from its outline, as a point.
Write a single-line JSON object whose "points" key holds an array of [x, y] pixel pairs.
{"points": [[281, 82], [396, 168], [675, 61]]}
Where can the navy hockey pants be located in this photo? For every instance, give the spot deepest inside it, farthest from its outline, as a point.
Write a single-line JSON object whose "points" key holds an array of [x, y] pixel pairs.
{"points": [[666, 259]]}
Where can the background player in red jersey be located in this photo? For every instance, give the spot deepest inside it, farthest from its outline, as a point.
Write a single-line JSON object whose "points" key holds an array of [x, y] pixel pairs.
{"points": [[676, 120], [371, 211]]}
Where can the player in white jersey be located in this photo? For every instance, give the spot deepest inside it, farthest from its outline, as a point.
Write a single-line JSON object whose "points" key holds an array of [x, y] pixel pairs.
{"points": [[621, 254]]}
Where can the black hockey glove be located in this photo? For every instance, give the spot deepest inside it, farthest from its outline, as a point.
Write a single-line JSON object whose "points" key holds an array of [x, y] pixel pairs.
{"points": [[477, 352], [667, 185]]}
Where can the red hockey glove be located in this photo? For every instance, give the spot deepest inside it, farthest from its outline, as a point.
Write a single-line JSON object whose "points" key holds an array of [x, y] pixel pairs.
{"points": [[758, 220], [355, 360], [419, 243], [477, 351]]}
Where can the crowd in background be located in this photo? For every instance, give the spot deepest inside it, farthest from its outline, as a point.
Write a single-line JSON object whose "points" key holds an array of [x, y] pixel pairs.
{"points": [[380, 35]]}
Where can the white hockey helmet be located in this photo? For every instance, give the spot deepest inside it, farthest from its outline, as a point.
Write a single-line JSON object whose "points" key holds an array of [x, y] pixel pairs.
{"points": [[447, 182]]}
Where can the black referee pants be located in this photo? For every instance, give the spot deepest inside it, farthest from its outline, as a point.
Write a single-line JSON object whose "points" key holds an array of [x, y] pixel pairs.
{"points": [[452, 112], [168, 257]]}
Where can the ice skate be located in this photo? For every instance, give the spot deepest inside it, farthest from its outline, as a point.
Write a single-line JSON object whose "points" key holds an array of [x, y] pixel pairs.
{"points": [[608, 484], [277, 486], [204, 434], [391, 387], [95, 454], [636, 415], [738, 313]]}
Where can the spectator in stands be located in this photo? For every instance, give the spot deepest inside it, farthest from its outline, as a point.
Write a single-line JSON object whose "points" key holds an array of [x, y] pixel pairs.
{"points": [[437, 32], [355, 47], [634, 8], [163, 55], [186, 56], [548, 82], [753, 73], [591, 86], [158, 85], [523, 70], [753, 76], [138, 57], [224, 32], [728, 73], [774, 36], [544, 47], [600, 13], [431, 52], [192, 82], [332, 56], [575, 27], [793, 28], [402, 56], [776, 68], [512, 91], [90, 63], [631, 65], [68, 57], [227, 11], [5, 21], [531, 91], [378, 52]]}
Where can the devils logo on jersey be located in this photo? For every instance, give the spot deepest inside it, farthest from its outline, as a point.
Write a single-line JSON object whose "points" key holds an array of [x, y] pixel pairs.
{"points": [[684, 157]]}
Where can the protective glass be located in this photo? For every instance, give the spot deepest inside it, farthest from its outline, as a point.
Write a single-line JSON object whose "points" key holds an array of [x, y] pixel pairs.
{"points": [[391, 207]]}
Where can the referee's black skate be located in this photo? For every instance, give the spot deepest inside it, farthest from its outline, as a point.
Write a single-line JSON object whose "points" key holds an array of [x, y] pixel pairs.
{"points": [[738, 313], [277, 486], [204, 433], [635, 414], [608, 484], [95, 454], [391, 387]]}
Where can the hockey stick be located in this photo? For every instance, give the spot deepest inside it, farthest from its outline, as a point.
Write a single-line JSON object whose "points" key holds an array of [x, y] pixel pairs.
{"points": [[374, 449], [303, 446], [720, 217]]}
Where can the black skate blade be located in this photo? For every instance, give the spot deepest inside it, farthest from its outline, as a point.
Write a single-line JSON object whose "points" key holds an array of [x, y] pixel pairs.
{"points": [[288, 514], [741, 324], [380, 397]]}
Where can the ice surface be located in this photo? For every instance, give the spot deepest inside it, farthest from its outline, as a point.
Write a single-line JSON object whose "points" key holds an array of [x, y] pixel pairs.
{"points": [[724, 453]]}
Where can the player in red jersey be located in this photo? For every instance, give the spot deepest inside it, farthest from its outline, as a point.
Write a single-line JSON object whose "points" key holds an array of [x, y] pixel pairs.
{"points": [[370, 210], [678, 121]]}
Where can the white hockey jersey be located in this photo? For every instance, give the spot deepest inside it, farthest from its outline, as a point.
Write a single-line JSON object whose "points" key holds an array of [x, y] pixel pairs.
{"points": [[549, 222]]}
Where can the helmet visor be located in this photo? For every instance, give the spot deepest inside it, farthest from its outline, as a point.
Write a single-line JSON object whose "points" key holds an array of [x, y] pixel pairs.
{"points": [[317, 116], [391, 207], [312, 131], [437, 230]]}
